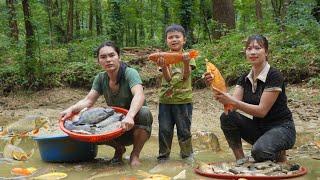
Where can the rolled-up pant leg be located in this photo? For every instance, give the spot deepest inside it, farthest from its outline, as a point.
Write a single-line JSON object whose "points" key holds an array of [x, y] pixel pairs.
{"points": [[235, 127], [278, 138]]}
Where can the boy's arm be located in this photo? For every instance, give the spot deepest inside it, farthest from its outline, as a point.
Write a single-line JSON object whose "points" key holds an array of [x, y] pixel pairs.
{"points": [[165, 69], [186, 66], [166, 73]]}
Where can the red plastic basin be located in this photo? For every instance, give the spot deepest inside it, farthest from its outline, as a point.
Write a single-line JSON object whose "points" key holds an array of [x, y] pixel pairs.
{"points": [[94, 138]]}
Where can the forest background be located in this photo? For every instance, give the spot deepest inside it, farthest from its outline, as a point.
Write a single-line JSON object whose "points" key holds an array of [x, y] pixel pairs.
{"points": [[51, 43]]}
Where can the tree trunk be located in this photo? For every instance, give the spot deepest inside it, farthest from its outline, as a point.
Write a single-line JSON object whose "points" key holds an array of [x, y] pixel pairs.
{"points": [[316, 11], [185, 18], [13, 25], [280, 11], [29, 65], [90, 16], [205, 19], [98, 17], [57, 22], [259, 14], [77, 19], [117, 27], [166, 16], [48, 6], [70, 21], [223, 14], [152, 3]]}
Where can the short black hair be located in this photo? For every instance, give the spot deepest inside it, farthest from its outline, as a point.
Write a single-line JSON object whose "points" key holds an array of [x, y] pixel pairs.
{"points": [[261, 40], [176, 27]]}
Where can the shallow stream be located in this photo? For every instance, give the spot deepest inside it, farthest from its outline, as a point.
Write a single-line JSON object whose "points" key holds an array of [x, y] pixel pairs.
{"points": [[100, 169]]}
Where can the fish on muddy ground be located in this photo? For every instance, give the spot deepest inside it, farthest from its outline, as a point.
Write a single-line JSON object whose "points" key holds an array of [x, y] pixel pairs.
{"points": [[25, 125], [169, 167], [52, 175], [267, 168], [149, 176], [94, 115], [172, 57], [12, 151], [218, 83], [180, 175], [205, 140], [23, 171]]}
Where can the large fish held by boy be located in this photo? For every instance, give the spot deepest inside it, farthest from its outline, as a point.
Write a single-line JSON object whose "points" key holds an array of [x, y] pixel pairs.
{"points": [[218, 83], [172, 57]]}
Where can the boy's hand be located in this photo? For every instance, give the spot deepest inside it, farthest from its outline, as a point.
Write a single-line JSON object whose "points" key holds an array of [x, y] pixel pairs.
{"points": [[161, 62], [186, 58]]}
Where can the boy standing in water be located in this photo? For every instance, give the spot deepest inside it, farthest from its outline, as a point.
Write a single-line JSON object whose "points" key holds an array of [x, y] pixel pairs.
{"points": [[175, 98]]}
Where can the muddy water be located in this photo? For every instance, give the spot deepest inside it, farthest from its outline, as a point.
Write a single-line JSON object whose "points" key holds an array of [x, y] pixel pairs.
{"points": [[101, 170]]}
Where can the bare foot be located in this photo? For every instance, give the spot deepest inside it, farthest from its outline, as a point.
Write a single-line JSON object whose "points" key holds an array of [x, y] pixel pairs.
{"points": [[117, 158], [134, 161]]}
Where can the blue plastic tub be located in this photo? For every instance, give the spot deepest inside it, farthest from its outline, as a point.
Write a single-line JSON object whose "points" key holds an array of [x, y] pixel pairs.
{"points": [[61, 148]]}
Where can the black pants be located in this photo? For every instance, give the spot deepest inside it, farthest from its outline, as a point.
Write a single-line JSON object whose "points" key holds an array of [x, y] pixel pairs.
{"points": [[267, 138]]}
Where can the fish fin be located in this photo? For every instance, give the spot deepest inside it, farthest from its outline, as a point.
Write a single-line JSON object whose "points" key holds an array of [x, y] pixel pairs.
{"points": [[4, 132], [19, 158], [30, 153], [193, 53], [36, 131], [46, 126], [228, 108], [15, 140]]}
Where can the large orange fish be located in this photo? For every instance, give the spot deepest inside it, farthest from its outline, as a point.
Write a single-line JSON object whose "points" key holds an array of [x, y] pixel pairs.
{"points": [[172, 57], [218, 82]]}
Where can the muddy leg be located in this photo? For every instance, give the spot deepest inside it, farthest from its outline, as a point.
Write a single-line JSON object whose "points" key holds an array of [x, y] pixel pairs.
{"points": [[282, 156], [238, 153], [140, 136], [119, 151]]}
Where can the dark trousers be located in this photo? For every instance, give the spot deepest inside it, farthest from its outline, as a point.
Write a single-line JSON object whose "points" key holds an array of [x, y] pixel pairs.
{"points": [[181, 116], [267, 138]]}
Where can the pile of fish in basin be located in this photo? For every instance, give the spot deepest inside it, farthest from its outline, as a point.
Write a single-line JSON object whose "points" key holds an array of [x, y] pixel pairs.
{"points": [[248, 167], [95, 121]]}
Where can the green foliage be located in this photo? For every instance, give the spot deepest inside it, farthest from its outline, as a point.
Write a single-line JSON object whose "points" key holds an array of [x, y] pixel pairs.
{"points": [[9, 78], [227, 54], [80, 74]]}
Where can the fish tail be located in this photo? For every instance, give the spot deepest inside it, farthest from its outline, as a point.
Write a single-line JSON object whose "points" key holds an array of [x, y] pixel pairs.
{"points": [[228, 107], [193, 53]]}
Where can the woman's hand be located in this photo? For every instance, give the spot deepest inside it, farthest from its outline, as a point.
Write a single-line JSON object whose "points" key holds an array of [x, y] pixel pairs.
{"points": [[66, 114], [208, 78], [127, 123], [224, 98]]}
